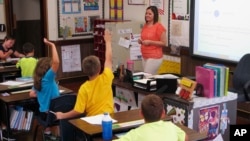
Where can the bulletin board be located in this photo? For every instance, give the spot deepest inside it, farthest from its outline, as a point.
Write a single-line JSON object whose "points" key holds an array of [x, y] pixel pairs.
{"points": [[76, 17], [179, 11]]}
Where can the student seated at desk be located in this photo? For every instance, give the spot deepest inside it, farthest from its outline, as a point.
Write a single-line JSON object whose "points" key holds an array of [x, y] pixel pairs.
{"points": [[27, 63], [95, 96], [152, 109], [6, 49], [45, 86]]}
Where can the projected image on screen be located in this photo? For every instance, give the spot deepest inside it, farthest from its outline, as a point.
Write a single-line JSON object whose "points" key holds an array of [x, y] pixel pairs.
{"points": [[220, 29]]}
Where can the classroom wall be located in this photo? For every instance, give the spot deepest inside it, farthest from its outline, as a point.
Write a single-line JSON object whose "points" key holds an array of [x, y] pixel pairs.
{"points": [[28, 5], [131, 12], [20, 14], [2, 19]]}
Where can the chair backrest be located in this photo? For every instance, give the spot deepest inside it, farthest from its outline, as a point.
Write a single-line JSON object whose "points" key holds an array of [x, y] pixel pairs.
{"points": [[241, 73], [63, 103]]}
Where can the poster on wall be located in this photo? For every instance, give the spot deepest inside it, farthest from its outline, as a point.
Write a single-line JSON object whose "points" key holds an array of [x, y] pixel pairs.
{"points": [[179, 23], [209, 121], [81, 24], [159, 4], [91, 4], [76, 17], [71, 58], [69, 6], [116, 9]]}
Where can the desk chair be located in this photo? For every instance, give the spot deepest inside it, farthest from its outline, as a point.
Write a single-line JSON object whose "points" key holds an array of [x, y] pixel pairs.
{"points": [[241, 79], [63, 103]]}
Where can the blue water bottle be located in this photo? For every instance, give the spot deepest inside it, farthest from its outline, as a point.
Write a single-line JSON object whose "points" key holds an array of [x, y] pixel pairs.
{"points": [[107, 127]]}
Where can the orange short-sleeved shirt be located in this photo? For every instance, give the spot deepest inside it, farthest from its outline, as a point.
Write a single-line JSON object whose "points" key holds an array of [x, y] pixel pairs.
{"points": [[152, 33]]}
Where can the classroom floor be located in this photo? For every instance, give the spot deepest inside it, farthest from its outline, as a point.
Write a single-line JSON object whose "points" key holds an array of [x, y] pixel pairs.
{"points": [[74, 85]]}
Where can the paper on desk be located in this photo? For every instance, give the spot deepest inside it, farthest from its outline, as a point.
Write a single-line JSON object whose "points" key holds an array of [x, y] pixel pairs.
{"points": [[12, 83], [96, 119], [12, 59]]}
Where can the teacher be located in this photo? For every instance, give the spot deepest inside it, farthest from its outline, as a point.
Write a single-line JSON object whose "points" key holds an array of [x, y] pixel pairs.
{"points": [[153, 38]]}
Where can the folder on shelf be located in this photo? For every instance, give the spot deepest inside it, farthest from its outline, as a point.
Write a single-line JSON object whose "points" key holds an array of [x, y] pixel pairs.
{"points": [[217, 79], [226, 80], [224, 74], [205, 77]]}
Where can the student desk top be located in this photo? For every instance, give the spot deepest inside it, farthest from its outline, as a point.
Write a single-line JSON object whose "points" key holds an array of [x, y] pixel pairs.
{"points": [[24, 95], [6, 88], [8, 69], [122, 117], [9, 72], [17, 98]]}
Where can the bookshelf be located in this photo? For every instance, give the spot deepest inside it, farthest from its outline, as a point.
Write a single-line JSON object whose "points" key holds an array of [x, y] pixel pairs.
{"points": [[21, 119]]}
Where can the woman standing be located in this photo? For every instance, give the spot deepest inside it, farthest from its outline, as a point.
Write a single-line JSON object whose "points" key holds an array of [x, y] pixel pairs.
{"points": [[153, 38]]}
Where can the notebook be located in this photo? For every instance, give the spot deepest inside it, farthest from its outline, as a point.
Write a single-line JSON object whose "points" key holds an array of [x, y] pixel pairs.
{"points": [[205, 77], [217, 74], [224, 72]]}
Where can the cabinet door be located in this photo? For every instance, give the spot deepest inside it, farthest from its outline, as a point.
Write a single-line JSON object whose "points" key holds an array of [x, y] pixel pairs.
{"points": [[179, 111]]}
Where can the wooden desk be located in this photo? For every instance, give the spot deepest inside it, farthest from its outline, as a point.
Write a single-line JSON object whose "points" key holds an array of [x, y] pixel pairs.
{"points": [[5, 88], [121, 117], [22, 97], [167, 97], [95, 130], [192, 134], [9, 71], [188, 110]]}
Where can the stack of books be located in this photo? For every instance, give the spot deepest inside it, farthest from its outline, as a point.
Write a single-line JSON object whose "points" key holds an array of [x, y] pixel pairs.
{"points": [[20, 119], [213, 78]]}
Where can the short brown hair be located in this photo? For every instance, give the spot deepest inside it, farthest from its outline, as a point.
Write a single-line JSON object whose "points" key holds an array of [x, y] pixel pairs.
{"points": [[91, 65], [28, 48], [152, 107]]}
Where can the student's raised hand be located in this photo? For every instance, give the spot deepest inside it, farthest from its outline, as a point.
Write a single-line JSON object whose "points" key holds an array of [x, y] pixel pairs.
{"points": [[107, 36], [47, 42]]}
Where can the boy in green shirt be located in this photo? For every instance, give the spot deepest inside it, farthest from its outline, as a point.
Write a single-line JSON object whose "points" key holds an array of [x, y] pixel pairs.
{"points": [[27, 63], [152, 109]]}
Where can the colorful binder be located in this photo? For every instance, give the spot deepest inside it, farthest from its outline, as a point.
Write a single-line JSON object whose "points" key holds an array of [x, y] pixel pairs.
{"points": [[221, 77], [205, 77], [217, 78], [224, 74]]}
